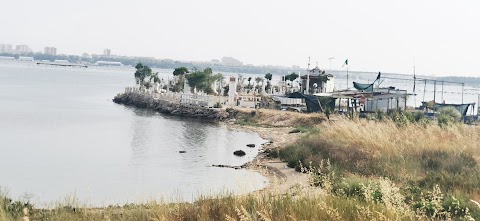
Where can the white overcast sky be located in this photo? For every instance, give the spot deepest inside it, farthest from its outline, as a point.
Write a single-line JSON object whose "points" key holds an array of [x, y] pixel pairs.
{"points": [[440, 37]]}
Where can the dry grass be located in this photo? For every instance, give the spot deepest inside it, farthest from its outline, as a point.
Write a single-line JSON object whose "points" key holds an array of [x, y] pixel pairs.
{"points": [[417, 157], [277, 118], [387, 138], [255, 207]]}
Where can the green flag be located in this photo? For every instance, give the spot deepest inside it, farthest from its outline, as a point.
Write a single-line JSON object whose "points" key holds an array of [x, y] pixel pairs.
{"points": [[345, 63]]}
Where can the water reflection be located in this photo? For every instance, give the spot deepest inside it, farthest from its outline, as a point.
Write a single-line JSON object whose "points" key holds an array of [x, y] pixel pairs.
{"points": [[141, 136], [81, 142]]}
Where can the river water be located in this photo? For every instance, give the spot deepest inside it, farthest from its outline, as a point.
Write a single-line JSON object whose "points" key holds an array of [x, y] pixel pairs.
{"points": [[62, 138]]}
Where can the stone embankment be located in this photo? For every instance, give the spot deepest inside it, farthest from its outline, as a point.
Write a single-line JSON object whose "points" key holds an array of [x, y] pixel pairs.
{"points": [[140, 100]]}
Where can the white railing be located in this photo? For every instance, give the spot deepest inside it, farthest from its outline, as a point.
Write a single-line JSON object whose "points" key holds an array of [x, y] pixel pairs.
{"points": [[203, 100]]}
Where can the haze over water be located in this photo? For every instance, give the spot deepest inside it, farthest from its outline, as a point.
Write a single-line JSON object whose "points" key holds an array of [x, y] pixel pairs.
{"points": [[61, 135]]}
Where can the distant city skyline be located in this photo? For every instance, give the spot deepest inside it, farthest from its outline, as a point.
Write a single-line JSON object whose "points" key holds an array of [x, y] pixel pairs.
{"points": [[438, 37]]}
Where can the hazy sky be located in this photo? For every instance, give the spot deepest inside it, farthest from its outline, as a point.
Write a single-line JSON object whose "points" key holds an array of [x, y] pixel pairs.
{"points": [[441, 37]]}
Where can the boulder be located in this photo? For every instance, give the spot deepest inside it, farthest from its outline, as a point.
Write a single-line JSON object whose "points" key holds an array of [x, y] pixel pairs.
{"points": [[239, 153]]}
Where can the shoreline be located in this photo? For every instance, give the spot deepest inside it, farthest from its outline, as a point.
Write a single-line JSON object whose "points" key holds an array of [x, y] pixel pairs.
{"points": [[273, 126], [281, 178]]}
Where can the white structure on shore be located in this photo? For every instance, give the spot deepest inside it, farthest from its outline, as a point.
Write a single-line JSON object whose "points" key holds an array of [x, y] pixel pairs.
{"points": [[7, 58], [109, 63], [232, 90], [21, 58]]}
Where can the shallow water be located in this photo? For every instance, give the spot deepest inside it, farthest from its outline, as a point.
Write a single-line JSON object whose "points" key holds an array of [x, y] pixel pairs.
{"points": [[61, 135]]}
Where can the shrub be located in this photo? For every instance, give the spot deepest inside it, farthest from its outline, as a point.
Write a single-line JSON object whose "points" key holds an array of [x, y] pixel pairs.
{"points": [[380, 115], [217, 105], [448, 115]]}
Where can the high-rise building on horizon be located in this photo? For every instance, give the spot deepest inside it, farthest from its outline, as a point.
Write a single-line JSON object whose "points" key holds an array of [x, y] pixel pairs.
{"points": [[50, 50], [22, 49], [6, 48], [106, 52]]}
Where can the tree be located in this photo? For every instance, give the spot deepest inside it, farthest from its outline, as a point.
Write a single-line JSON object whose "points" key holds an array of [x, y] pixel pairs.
{"points": [[258, 80], [180, 71], [292, 76], [142, 71], [203, 80], [268, 76]]}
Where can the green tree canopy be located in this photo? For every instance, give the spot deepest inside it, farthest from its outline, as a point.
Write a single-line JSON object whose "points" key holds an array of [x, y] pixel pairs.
{"points": [[268, 76], [154, 77], [292, 76], [181, 71], [203, 80], [142, 71]]}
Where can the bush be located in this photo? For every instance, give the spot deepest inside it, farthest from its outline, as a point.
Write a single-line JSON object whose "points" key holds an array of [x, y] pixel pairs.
{"points": [[448, 115], [380, 115], [274, 153], [217, 105], [295, 156]]}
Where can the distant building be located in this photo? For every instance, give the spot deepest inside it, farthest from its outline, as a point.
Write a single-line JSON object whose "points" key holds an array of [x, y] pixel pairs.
{"points": [[25, 58], [106, 52], [108, 63], [50, 51], [6, 48], [319, 81], [22, 49], [7, 58], [229, 61]]}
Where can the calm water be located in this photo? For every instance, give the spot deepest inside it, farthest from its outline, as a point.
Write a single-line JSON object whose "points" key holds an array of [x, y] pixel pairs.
{"points": [[61, 135]]}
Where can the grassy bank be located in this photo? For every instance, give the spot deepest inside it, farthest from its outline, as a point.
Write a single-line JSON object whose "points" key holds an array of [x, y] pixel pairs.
{"points": [[434, 167]]}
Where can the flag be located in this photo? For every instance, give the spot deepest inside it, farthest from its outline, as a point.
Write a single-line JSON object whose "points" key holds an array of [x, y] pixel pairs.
{"points": [[345, 63]]}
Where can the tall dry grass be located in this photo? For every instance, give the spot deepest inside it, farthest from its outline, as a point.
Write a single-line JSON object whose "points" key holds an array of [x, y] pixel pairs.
{"points": [[254, 207], [416, 157]]}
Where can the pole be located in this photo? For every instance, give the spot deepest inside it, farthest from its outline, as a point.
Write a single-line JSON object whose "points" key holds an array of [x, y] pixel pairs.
{"points": [[434, 91], [308, 76], [300, 81], [424, 88], [442, 91], [414, 85], [347, 76], [331, 58], [463, 85]]}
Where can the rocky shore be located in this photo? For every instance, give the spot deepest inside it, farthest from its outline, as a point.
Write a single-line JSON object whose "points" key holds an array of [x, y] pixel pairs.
{"points": [[169, 107]]}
